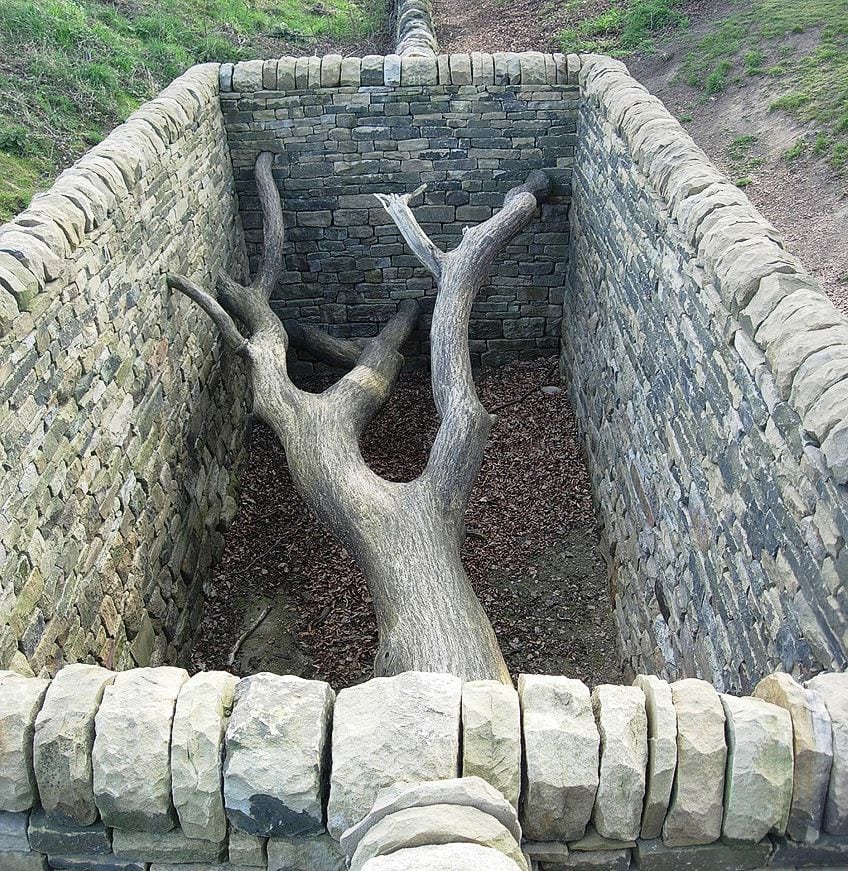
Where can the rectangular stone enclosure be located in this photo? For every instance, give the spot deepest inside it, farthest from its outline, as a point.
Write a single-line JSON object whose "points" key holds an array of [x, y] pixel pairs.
{"points": [[707, 369]]}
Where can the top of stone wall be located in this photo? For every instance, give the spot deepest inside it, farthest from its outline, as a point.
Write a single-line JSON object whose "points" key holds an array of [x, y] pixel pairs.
{"points": [[333, 71], [780, 320], [36, 243]]}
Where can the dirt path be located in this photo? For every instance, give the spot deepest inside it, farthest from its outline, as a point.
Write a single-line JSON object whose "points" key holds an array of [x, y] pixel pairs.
{"points": [[532, 557]]}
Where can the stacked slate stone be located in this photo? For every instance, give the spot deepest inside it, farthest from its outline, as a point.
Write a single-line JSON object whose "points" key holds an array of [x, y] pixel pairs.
{"points": [[469, 126], [153, 770], [415, 35], [120, 422], [709, 373]]}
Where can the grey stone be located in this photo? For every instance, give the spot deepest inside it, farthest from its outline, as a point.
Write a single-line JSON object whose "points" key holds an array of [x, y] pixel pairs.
{"points": [[491, 736], [623, 727], [64, 738], [131, 755], [553, 852], [662, 752], [331, 70], [13, 861], [533, 68], [197, 739], [833, 689], [285, 74], [390, 729], [828, 851], [431, 825], [561, 757], [20, 701], [309, 853], [392, 70], [171, 846], [695, 812], [46, 836], [812, 750], [95, 863], [419, 71], [13, 831], [247, 76], [275, 765], [656, 856], [350, 72], [444, 857], [462, 792], [609, 860], [460, 69], [249, 850], [758, 778]]}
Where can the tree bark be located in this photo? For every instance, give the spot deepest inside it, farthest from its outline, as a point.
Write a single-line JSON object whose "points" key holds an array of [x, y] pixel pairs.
{"points": [[405, 537]]}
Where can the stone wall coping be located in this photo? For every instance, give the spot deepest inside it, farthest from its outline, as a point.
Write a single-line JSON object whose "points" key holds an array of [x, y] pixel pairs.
{"points": [[261, 749], [35, 244], [304, 74], [782, 313]]}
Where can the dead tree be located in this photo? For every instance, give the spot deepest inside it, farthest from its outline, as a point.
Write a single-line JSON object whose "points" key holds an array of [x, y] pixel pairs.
{"points": [[405, 537]]}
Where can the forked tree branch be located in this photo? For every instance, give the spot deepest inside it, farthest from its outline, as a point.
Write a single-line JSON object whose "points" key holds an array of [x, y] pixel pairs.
{"points": [[397, 207]]}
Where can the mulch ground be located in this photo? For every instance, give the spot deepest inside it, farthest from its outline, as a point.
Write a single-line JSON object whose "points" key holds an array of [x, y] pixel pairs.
{"points": [[531, 558]]}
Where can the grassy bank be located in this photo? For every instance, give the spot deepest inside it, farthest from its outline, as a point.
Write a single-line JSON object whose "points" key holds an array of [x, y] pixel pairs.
{"points": [[72, 69]]}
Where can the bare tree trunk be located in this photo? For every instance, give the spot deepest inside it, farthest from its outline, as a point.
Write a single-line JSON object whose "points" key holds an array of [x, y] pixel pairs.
{"points": [[405, 537]]}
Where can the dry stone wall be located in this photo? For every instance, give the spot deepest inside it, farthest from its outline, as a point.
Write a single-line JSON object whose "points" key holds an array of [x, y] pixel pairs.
{"points": [[120, 422], [707, 370], [150, 770], [467, 126]]}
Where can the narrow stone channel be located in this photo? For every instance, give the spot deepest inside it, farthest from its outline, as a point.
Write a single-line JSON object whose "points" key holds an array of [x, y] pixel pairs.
{"points": [[531, 552]]}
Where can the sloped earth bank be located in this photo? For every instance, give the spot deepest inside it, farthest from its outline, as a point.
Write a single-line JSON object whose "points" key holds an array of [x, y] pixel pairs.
{"points": [[805, 199], [531, 554]]}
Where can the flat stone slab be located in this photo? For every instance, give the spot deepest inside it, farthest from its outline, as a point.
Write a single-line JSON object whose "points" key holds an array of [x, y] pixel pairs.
{"points": [[445, 857], [827, 851], [656, 856], [833, 689], [623, 727], [391, 729], [171, 846], [607, 860], [435, 824], [14, 861], [20, 701], [95, 863], [697, 802], [13, 831], [275, 764], [249, 850], [197, 739], [561, 747], [463, 792], [64, 739], [310, 853], [758, 777], [813, 751], [662, 752], [46, 836], [491, 736], [131, 754]]}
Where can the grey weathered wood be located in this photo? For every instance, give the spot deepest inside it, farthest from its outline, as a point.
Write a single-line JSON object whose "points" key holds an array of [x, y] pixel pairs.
{"points": [[405, 536]]}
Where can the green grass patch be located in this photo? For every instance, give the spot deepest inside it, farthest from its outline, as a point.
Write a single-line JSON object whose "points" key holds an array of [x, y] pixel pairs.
{"points": [[72, 69], [762, 38], [799, 148], [740, 148], [627, 25]]}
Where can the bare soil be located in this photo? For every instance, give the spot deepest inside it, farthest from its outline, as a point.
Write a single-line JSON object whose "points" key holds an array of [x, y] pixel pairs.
{"points": [[531, 555]]}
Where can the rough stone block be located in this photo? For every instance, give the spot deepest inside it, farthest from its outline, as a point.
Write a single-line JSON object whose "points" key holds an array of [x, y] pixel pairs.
{"points": [[131, 755], [285, 74], [331, 70], [350, 72], [13, 861], [249, 850], [392, 70], [833, 689], [309, 853], [697, 801], [275, 765], [828, 851], [448, 856], [13, 832], [662, 752], [656, 856], [419, 71], [247, 76], [46, 836], [533, 68], [813, 751], [64, 738], [491, 736], [20, 702], [758, 778], [390, 729], [623, 727], [460, 69], [171, 846], [561, 756], [197, 739]]}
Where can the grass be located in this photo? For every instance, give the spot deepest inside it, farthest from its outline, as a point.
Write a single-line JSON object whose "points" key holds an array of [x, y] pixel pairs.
{"points": [[72, 69], [801, 45], [626, 26]]}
